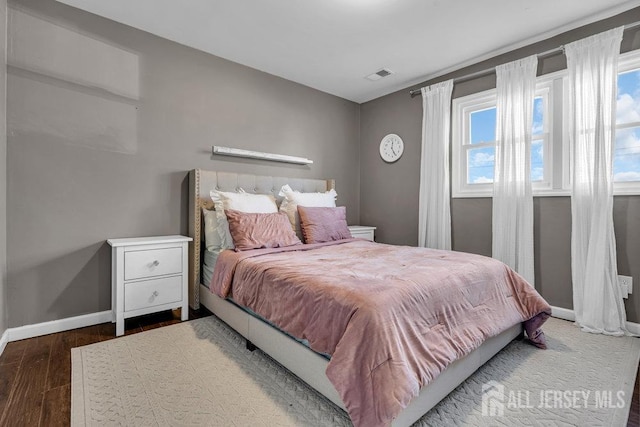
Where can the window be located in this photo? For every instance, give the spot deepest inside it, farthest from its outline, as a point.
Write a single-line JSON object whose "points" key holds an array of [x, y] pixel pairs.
{"points": [[626, 158], [480, 144], [474, 142], [539, 139], [474, 134]]}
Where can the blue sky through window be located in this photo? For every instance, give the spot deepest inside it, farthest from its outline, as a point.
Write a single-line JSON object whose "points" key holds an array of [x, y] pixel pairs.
{"points": [[537, 143], [481, 161], [483, 126], [626, 161]]}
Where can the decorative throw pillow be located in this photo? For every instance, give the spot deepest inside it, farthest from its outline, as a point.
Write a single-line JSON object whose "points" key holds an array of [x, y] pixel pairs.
{"points": [[292, 199], [323, 224], [240, 201], [260, 230]]}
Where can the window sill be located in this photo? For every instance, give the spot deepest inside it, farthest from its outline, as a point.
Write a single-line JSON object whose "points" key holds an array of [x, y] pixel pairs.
{"points": [[490, 195], [543, 193], [627, 191]]}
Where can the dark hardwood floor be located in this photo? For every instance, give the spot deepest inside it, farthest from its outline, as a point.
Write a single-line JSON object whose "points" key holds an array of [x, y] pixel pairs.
{"points": [[35, 374]]}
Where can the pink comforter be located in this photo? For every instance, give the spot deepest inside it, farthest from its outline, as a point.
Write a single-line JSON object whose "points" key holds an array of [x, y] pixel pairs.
{"points": [[391, 317]]}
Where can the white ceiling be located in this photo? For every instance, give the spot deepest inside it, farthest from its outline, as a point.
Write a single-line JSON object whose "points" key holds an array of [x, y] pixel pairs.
{"points": [[331, 45]]}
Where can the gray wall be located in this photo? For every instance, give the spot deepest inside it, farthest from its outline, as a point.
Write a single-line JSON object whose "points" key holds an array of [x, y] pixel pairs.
{"points": [[104, 123], [3, 168], [389, 192]]}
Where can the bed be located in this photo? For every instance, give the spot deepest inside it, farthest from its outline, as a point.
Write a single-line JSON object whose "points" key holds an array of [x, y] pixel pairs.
{"points": [[294, 355]]}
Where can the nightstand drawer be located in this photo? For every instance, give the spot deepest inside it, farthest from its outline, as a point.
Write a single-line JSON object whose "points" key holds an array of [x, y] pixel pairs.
{"points": [[149, 293], [151, 263], [362, 232], [362, 235]]}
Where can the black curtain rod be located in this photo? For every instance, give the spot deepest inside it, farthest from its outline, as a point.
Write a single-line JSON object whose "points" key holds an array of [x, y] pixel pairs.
{"points": [[488, 71]]}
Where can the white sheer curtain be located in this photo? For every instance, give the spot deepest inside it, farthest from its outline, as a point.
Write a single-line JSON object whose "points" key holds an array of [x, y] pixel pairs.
{"points": [[434, 227], [512, 196], [593, 72]]}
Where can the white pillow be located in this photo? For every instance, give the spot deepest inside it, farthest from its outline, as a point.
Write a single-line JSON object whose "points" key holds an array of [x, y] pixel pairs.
{"points": [[292, 199], [240, 201], [212, 238], [245, 202]]}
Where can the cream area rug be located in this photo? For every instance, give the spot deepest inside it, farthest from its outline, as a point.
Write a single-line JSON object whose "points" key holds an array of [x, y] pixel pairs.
{"points": [[199, 373]]}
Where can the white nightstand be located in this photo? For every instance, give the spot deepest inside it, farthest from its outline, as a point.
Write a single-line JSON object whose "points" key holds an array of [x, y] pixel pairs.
{"points": [[362, 231], [148, 274]]}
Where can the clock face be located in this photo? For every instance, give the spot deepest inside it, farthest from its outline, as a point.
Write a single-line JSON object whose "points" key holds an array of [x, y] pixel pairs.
{"points": [[391, 148]]}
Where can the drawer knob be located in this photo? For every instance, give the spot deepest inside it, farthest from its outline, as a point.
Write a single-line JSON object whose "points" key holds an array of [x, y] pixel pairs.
{"points": [[153, 296], [155, 263]]}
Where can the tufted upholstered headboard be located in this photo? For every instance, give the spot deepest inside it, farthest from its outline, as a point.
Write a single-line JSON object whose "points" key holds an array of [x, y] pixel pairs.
{"points": [[201, 182]]}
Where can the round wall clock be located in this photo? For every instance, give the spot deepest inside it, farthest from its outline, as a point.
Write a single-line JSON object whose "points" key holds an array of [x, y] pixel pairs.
{"points": [[391, 148]]}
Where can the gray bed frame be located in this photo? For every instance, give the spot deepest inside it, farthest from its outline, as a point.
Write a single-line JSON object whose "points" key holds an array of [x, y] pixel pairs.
{"points": [[296, 357]]}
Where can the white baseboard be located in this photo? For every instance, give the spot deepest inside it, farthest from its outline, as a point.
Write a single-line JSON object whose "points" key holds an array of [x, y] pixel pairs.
{"points": [[567, 314], [4, 339], [563, 313], [38, 329], [634, 328]]}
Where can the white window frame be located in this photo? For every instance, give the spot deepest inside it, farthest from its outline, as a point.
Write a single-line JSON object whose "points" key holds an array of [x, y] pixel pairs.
{"points": [[557, 178], [462, 108], [627, 62], [552, 183]]}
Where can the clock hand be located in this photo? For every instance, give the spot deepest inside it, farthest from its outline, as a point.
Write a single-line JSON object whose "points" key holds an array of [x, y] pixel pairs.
{"points": [[393, 151]]}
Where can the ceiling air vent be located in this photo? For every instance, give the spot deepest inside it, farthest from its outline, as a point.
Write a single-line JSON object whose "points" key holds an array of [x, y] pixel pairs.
{"points": [[379, 74]]}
